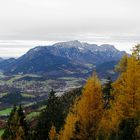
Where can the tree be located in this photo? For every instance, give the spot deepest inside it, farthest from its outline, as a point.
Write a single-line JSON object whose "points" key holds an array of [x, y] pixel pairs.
{"points": [[84, 118], [127, 90], [22, 124], [122, 65], [107, 88], [121, 118], [53, 114], [52, 133], [10, 129], [126, 130], [20, 134], [16, 128], [67, 133], [136, 51]]}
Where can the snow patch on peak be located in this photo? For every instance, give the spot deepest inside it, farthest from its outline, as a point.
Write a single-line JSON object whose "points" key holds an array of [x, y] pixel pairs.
{"points": [[74, 43], [80, 48]]}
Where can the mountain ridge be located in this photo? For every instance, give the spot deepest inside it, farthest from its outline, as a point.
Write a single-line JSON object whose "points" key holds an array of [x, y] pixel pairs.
{"points": [[64, 58]]}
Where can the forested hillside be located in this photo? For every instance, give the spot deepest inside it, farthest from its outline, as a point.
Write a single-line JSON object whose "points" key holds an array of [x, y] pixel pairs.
{"points": [[109, 111]]}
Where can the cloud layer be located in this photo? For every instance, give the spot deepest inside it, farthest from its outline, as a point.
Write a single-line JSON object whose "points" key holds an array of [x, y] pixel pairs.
{"points": [[37, 21]]}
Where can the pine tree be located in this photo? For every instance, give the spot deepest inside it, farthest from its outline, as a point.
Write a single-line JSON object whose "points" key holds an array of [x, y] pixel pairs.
{"points": [[16, 128], [83, 121], [22, 124], [53, 114], [107, 88], [136, 51], [10, 129]]}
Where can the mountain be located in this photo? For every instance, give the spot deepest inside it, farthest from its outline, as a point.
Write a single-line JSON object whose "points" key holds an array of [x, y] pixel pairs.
{"points": [[84, 53], [1, 59], [40, 62], [107, 69], [6, 63], [65, 58]]}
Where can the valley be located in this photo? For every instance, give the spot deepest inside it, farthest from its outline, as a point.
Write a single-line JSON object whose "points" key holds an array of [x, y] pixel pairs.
{"points": [[62, 67]]}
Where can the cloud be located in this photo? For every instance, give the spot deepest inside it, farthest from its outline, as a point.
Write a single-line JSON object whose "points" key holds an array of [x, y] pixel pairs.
{"points": [[28, 22], [16, 48]]}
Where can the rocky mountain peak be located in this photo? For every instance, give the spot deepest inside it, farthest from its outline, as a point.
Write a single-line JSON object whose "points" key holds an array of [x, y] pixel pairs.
{"points": [[74, 43]]}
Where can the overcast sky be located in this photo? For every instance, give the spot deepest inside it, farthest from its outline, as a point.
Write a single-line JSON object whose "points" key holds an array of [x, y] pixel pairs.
{"points": [[28, 23]]}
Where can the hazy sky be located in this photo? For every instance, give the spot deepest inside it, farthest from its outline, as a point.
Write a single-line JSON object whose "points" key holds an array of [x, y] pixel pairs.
{"points": [[27, 23]]}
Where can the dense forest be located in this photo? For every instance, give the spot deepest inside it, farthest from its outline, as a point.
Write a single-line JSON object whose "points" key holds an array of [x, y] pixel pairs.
{"points": [[96, 112]]}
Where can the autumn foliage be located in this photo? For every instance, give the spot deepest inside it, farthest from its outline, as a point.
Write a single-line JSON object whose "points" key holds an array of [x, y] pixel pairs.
{"points": [[90, 120], [123, 120], [102, 112], [83, 120]]}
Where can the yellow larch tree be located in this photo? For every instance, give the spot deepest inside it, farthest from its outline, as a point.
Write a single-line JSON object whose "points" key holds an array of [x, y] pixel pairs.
{"points": [[52, 133], [69, 127], [122, 65], [127, 90], [126, 102], [83, 121]]}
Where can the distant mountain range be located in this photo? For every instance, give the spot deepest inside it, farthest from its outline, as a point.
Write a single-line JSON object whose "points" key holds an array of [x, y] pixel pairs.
{"points": [[71, 58]]}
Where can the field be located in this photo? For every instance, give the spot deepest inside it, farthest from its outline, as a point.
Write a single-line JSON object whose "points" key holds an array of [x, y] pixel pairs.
{"points": [[31, 91], [32, 115], [5, 111]]}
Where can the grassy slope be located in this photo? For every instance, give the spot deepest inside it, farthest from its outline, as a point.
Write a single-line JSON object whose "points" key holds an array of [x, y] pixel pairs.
{"points": [[5, 111], [1, 132]]}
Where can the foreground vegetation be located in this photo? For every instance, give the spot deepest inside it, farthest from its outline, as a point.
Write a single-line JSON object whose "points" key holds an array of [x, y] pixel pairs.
{"points": [[108, 112], [1, 132]]}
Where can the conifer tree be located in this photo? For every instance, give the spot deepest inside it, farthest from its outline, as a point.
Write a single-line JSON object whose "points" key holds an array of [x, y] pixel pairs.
{"points": [[107, 88], [52, 133], [122, 65], [16, 128], [51, 115], [126, 130], [121, 118], [136, 51], [22, 124], [20, 134], [127, 90], [10, 129], [67, 133], [83, 121]]}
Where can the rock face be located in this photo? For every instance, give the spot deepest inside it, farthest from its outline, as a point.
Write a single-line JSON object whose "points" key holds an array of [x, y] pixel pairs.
{"points": [[66, 58]]}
